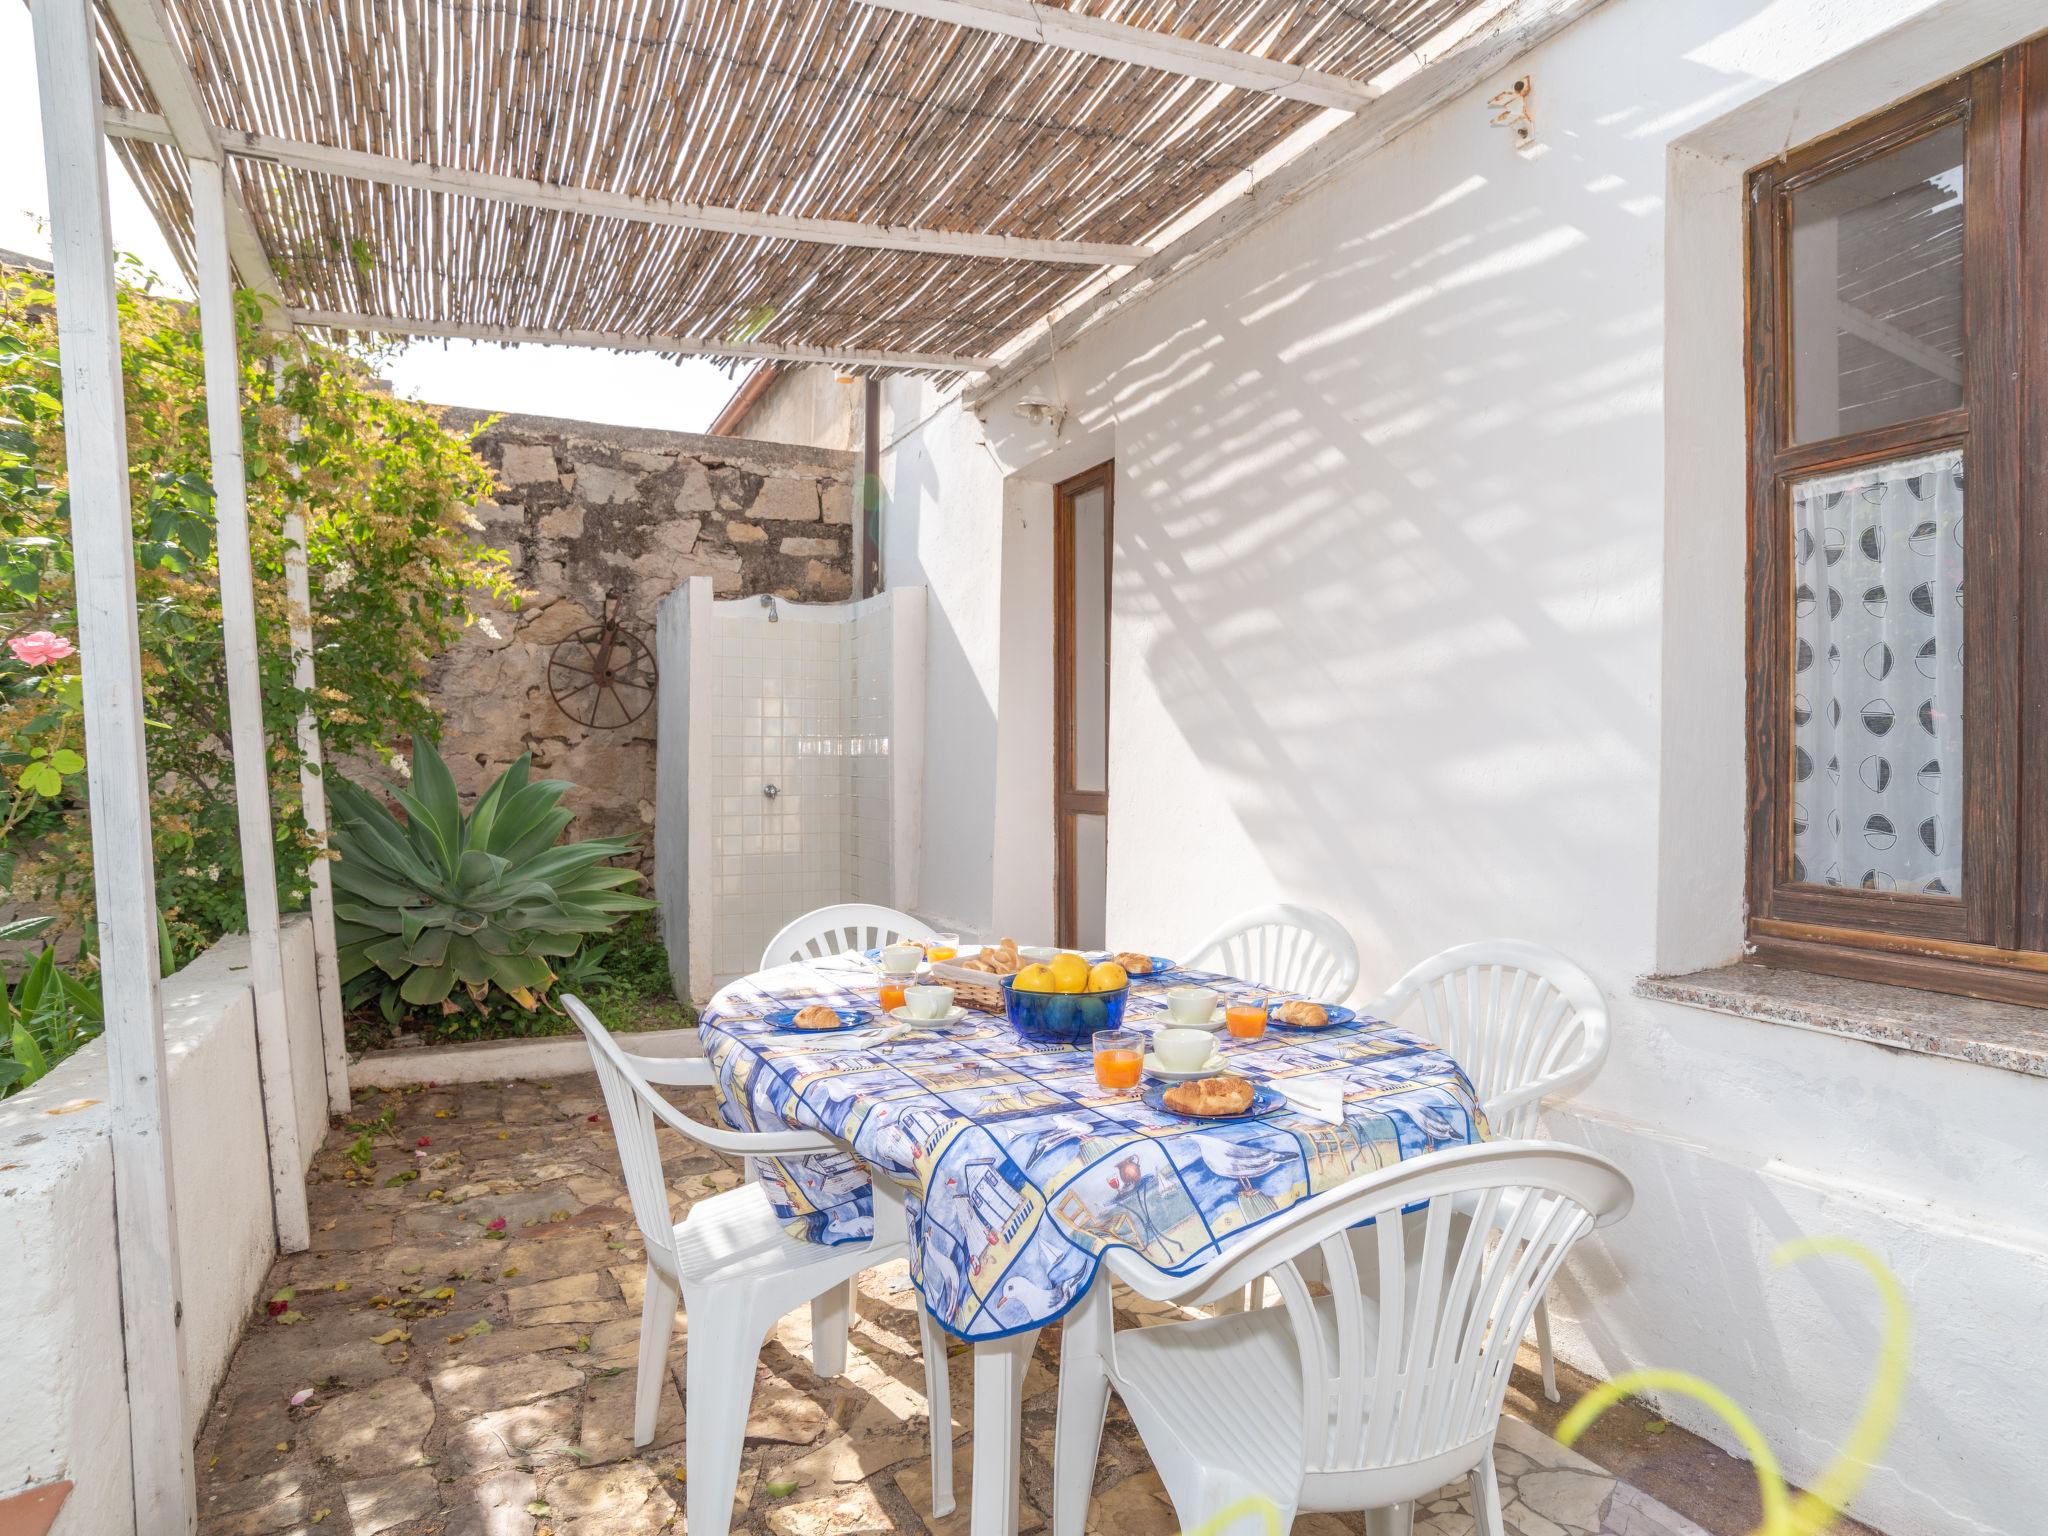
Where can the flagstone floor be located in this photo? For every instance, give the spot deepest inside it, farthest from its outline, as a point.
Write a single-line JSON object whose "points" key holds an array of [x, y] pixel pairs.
{"points": [[454, 1357]]}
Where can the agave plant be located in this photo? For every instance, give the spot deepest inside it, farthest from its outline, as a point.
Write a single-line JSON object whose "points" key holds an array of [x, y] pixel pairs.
{"points": [[439, 901]]}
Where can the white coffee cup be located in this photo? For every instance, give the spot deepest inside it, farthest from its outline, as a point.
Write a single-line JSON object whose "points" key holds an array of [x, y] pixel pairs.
{"points": [[928, 1002], [1191, 1005], [1183, 1050], [1037, 954], [901, 959]]}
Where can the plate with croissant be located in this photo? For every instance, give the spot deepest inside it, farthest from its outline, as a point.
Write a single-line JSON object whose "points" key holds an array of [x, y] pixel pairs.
{"points": [[1137, 964], [1306, 1017], [1215, 1098], [817, 1019]]}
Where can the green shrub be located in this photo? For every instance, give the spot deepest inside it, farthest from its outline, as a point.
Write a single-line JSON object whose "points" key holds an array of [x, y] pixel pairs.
{"points": [[385, 494], [482, 902]]}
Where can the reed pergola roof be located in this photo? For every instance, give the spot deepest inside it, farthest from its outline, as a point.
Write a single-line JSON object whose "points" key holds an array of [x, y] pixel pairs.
{"points": [[770, 178]]}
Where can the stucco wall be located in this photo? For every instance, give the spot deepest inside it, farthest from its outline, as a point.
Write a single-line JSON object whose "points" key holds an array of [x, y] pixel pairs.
{"points": [[1427, 610], [817, 407], [62, 1405], [585, 509]]}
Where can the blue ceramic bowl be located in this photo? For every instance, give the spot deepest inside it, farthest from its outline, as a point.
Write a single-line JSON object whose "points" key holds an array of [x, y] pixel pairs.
{"points": [[1063, 1018]]}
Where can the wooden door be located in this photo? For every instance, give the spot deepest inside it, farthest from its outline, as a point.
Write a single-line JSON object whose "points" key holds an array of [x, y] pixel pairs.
{"points": [[1083, 542]]}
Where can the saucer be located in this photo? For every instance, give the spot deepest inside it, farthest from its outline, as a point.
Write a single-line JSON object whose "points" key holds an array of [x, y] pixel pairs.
{"points": [[1209, 1068], [952, 1015]]}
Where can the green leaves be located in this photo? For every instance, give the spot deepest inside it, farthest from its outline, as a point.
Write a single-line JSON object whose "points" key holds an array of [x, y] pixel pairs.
{"points": [[48, 1015], [384, 494], [441, 901]]}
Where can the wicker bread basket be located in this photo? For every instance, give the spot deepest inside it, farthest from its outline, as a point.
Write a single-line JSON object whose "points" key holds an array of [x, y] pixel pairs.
{"points": [[980, 990]]}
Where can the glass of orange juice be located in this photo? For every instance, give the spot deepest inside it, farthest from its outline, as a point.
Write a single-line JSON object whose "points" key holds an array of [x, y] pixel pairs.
{"points": [[892, 996], [1119, 1054], [1247, 1021], [943, 946]]}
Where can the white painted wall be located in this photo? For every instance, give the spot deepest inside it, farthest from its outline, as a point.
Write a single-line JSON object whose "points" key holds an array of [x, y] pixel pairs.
{"points": [[62, 1409], [1428, 604]]}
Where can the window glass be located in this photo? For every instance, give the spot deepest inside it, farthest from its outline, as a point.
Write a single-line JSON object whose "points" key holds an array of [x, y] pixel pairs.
{"points": [[1877, 676], [1091, 880], [1877, 290], [1091, 646]]}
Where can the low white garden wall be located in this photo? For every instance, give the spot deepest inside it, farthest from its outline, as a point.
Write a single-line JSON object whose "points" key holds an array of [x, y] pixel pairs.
{"points": [[62, 1405]]}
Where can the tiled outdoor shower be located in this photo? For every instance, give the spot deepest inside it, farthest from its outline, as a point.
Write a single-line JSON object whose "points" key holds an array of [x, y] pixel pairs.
{"points": [[791, 718]]}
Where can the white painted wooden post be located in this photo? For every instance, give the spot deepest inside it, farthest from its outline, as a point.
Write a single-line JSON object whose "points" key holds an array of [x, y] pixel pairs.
{"points": [[245, 702], [313, 796], [117, 769]]}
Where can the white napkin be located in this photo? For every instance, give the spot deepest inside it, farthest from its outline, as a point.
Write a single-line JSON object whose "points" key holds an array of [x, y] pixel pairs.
{"points": [[1318, 1098]]}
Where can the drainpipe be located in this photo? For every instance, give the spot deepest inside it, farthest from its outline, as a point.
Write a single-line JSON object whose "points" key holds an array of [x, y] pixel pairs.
{"points": [[871, 489]]}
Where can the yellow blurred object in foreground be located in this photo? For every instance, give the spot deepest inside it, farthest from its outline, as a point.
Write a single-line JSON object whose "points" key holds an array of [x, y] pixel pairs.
{"points": [[1817, 1508]]}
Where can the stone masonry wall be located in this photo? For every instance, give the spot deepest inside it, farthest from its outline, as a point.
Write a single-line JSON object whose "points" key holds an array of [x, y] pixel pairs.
{"points": [[584, 509]]}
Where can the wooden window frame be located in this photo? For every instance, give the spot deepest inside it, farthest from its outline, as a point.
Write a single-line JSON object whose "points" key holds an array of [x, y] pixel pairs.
{"points": [[1992, 941], [1068, 802]]}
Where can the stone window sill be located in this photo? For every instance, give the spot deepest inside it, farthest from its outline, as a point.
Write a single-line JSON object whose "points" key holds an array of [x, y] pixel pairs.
{"points": [[2001, 1035]]}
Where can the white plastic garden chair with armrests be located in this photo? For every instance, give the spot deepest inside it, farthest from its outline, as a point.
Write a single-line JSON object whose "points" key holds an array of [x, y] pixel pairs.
{"points": [[1526, 1025], [851, 925], [1285, 948], [737, 1273], [1366, 1398]]}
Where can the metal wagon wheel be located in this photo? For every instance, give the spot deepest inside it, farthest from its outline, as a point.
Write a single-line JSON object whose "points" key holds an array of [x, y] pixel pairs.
{"points": [[603, 676]]}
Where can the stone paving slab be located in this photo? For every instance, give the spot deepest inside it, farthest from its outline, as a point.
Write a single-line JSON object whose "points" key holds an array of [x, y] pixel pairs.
{"points": [[454, 1357]]}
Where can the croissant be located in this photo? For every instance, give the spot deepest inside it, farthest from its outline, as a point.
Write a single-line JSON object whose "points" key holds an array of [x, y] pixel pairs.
{"points": [[1134, 964], [817, 1016], [1304, 1015], [1212, 1096]]}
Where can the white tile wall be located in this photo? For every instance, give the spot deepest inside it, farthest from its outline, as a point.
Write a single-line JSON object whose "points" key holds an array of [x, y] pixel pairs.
{"points": [[804, 704]]}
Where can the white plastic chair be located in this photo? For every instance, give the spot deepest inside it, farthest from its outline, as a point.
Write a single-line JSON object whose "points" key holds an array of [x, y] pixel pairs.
{"points": [[1286, 948], [852, 925], [1366, 1398], [737, 1273], [1526, 1025]]}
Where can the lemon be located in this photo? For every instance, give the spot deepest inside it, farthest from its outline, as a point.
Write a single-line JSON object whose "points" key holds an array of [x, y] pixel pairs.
{"points": [[1036, 978], [1069, 972], [1107, 977]]}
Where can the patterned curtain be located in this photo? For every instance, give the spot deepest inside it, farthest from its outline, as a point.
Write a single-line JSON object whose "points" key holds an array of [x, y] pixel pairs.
{"points": [[1878, 677]]}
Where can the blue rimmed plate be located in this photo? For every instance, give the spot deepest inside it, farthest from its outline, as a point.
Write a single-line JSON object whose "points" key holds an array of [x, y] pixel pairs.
{"points": [[1338, 1017], [849, 1018], [1264, 1101], [1161, 966]]}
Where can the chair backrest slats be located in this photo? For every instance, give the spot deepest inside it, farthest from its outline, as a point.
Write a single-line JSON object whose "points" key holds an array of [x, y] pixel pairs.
{"points": [[1286, 948], [1307, 1323], [639, 1157], [834, 930], [1461, 1246], [1513, 1015]]}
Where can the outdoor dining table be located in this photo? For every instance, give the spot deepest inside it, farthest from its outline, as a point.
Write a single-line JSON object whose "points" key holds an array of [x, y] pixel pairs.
{"points": [[1021, 1171]]}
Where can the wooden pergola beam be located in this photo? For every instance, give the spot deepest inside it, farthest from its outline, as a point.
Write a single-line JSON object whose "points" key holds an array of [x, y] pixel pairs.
{"points": [[388, 170], [186, 126], [623, 341], [1077, 32]]}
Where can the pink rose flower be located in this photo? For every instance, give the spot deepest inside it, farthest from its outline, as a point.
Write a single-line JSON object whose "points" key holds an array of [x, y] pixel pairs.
{"points": [[40, 648]]}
